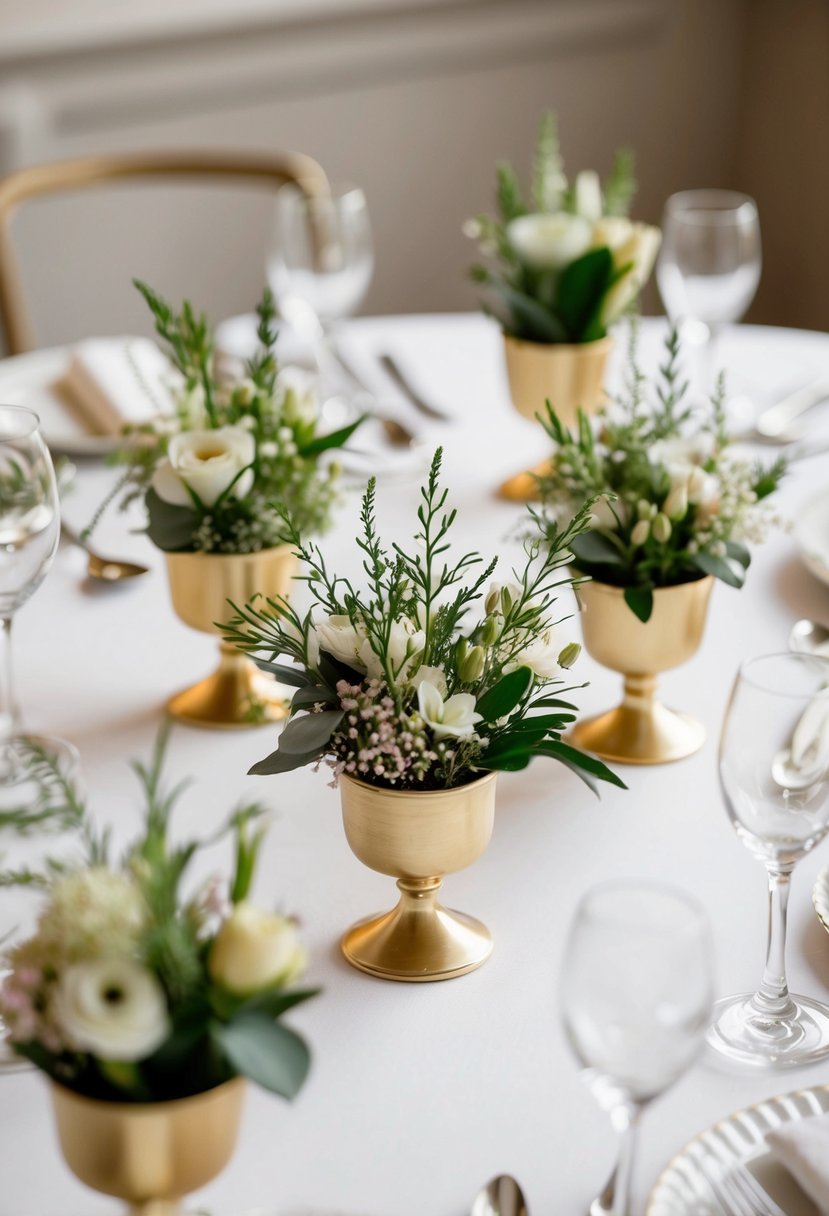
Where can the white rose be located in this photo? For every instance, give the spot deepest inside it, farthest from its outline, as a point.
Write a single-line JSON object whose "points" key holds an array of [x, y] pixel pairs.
{"points": [[295, 389], [338, 637], [255, 950], [540, 655], [588, 195], [113, 1008], [549, 242], [638, 251], [208, 462], [435, 675], [455, 717]]}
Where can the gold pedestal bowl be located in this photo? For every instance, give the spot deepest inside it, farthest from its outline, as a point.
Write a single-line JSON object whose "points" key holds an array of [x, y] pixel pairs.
{"points": [[642, 730], [149, 1154], [570, 375], [237, 694], [418, 838]]}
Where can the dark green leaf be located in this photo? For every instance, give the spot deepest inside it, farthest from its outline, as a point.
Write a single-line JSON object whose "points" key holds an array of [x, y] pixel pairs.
{"points": [[596, 549], [170, 527], [311, 732], [270, 1054], [506, 762], [640, 601], [580, 761], [333, 670], [312, 694], [730, 571], [274, 1003], [503, 697], [739, 552], [294, 676], [334, 439], [531, 320], [553, 703], [581, 290], [543, 722], [283, 762]]}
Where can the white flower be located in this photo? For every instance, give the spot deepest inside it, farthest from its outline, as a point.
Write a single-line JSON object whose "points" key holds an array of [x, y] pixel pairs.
{"points": [[434, 675], [337, 636], [207, 462], [540, 655], [113, 1008], [632, 245], [405, 645], [295, 389], [455, 717], [588, 195], [602, 513], [641, 532], [255, 950], [501, 596], [190, 406], [93, 912], [312, 643], [684, 452], [549, 242]]}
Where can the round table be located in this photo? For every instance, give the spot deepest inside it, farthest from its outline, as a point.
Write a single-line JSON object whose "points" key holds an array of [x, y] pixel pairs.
{"points": [[420, 1093]]}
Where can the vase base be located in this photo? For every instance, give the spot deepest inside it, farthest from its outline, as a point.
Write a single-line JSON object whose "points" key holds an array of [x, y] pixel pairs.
{"points": [[523, 487], [235, 697], [629, 735], [417, 946]]}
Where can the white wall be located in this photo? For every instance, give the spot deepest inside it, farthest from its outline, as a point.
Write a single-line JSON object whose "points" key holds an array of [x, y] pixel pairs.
{"points": [[413, 99]]}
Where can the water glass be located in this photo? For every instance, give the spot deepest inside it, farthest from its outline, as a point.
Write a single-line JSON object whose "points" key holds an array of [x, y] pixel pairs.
{"points": [[637, 988]]}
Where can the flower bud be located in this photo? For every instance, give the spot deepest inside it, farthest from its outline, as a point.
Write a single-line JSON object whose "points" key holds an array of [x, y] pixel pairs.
{"points": [[676, 504], [661, 528], [641, 532], [461, 650], [490, 631], [255, 950], [493, 599], [472, 666], [569, 654], [645, 509]]}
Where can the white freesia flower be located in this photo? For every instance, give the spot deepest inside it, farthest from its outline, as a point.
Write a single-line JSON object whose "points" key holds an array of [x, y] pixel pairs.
{"points": [[296, 391], [683, 453], [540, 655], [455, 717], [405, 646], [255, 950], [113, 1008], [588, 195], [633, 245], [549, 242], [337, 636], [501, 596], [434, 675], [207, 462]]}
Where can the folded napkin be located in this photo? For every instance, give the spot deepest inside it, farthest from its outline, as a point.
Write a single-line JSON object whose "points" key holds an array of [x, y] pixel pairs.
{"points": [[803, 1147], [112, 382]]}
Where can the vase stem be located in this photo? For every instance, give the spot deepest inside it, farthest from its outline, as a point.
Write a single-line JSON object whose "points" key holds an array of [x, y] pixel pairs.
{"points": [[640, 692], [156, 1207]]}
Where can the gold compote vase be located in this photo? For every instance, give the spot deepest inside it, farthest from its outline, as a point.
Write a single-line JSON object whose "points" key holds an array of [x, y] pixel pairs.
{"points": [[418, 837], [152, 1154], [642, 730], [237, 694], [570, 376]]}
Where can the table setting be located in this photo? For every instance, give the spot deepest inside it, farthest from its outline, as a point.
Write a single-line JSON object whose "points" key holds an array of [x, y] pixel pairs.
{"points": [[427, 557]]}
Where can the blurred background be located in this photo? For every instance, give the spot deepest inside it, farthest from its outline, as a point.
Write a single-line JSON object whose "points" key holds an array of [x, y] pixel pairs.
{"points": [[415, 101]]}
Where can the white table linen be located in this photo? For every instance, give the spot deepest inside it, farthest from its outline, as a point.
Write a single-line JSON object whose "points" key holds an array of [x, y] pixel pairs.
{"points": [[419, 1093]]}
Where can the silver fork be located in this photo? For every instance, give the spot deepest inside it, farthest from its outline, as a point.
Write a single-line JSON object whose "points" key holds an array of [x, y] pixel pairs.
{"points": [[739, 1193]]}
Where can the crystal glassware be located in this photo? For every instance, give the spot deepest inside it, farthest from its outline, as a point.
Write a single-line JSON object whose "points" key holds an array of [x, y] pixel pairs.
{"points": [[774, 774], [636, 990], [709, 263]]}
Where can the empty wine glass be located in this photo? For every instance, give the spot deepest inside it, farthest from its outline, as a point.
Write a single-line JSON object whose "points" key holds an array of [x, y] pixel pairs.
{"points": [[774, 774], [709, 263], [29, 533], [636, 998]]}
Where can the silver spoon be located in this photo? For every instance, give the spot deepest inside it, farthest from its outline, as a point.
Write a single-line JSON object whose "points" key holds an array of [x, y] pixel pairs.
{"points": [[502, 1196], [103, 569], [809, 637]]}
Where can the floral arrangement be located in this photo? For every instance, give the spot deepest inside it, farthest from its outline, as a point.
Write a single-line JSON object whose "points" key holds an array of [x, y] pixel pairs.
{"points": [[129, 991], [568, 263], [217, 475], [429, 677], [672, 502]]}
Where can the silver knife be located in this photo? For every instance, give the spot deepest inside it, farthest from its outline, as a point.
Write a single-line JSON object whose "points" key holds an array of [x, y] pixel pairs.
{"points": [[392, 369], [772, 423]]}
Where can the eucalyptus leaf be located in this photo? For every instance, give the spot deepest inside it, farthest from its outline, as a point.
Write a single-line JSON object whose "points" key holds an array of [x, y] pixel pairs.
{"points": [[640, 601], [504, 696], [311, 732], [738, 552], [276, 1001], [294, 676], [283, 762], [594, 548], [581, 761], [334, 439], [728, 570], [531, 320], [170, 527], [272, 1055], [312, 694]]}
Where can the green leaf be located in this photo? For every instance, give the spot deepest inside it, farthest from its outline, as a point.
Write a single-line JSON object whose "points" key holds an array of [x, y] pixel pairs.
{"points": [[596, 549], [170, 527], [729, 571], [503, 697], [313, 694], [640, 601], [532, 322], [582, 762], [333, 670], [739, 552], [553, 703], [270, 1054], [311, 732], [274, 1002], [334, 439], [294, 676], [505, 762], [283, 762], [543, 722], [581, 289]]}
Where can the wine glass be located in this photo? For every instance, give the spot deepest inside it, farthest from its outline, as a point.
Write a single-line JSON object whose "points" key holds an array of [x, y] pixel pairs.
{"points": [[320, 268], [29, 534], [774, 775], [636, 998], [709, 263]]}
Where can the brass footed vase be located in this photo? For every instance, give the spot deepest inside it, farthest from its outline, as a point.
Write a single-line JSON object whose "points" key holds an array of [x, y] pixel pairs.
{"points": [[237, 694], [571, 376], [418, 838], [642, 730], [149, 1154]]}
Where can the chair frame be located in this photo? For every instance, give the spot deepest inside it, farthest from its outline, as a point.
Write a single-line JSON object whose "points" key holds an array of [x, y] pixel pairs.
{"points": [[68, 175]]}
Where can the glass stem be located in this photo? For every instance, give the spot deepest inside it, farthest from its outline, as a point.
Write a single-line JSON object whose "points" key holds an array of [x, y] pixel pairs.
{"points": [[626, 1122], [772, 997], [9, 714]]}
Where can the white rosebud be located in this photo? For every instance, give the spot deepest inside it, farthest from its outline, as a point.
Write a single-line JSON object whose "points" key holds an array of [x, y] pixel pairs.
{"points": [[588, 195], [455, 717], [549, 242], [208, 462], [255, 950], [676, 504], [641, 532], [661, 529], [113, 1008]]}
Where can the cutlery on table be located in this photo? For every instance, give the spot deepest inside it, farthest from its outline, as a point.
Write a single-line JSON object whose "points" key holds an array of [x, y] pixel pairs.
{"points": [[103, 569], [738, 1193], [809, 637], [397, 433], [774, 421], [394, 371], [502, 1196]]}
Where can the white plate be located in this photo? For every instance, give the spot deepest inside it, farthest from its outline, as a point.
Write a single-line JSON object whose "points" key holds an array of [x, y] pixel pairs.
{"points": [[29, 380], [811, 534], [683, 1190], [820, 897]]}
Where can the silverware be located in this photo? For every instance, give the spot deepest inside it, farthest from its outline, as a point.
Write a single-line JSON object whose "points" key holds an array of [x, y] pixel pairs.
{"points": [[774, 421], [738, 1192], [103, 569], [393, 370], [502, 1196], [809, 637], [397, 433]]}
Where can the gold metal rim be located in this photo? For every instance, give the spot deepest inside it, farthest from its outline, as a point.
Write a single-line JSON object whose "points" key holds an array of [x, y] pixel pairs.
{"points": [[149, 1107], [419, 794]]}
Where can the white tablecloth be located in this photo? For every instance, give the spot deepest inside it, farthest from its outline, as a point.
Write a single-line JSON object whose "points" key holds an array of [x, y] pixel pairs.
{"points": [[419, 1093]]}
